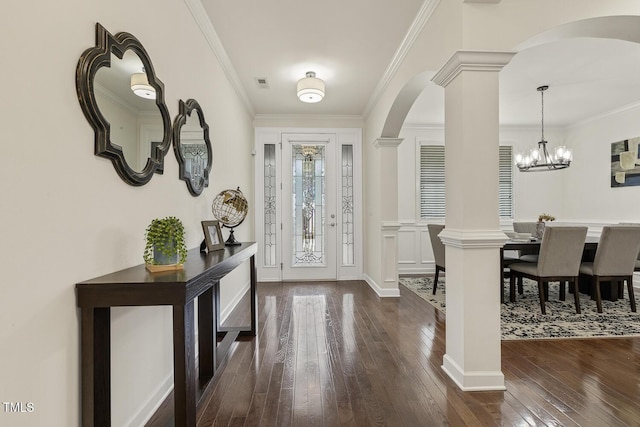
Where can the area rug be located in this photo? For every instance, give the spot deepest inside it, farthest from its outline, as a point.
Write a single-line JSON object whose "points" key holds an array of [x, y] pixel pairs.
{"points": [[523, 319]]}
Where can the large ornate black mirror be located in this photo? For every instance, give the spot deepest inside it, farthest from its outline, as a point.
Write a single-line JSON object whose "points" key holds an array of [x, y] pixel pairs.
{"points": [[123, 100], [192, 146]]}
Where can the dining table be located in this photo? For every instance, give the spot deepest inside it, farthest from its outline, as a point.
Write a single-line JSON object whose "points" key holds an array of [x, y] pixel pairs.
{"points": [[533, 245]]}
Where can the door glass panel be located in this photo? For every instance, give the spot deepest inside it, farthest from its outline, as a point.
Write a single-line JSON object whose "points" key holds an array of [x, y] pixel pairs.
{"points": [[348, 248], [308, 205], [270, 188]]}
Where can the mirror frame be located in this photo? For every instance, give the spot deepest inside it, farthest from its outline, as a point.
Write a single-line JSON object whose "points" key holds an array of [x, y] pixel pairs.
{"points": [[89, 63], [185, 110]]}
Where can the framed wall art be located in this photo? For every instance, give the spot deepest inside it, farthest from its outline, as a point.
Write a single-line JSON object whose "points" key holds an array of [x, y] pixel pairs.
{"points": [[625, 164]]}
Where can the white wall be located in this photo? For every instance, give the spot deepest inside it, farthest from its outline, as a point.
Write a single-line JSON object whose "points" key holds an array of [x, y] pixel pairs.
{"points": [[588, 194], [68, 217]]}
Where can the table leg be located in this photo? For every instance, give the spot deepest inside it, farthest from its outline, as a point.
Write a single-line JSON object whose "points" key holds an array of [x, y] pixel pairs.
{"points": [[254, 297], [184, 365], [207, 333], [96, 366], [216, 300]]}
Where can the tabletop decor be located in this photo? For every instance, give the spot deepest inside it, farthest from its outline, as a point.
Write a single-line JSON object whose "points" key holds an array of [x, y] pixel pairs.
{"points": [[230, 208], [165, 247], [212, 236], [542, 218]]}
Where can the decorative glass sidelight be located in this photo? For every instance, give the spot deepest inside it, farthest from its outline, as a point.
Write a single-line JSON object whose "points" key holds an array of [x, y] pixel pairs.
{"points": [[348, 247], [270, 188], [308, 205]]}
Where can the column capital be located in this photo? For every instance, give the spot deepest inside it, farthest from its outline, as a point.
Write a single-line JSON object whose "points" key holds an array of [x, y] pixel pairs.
{"points": [[383, 142], [471, 60]]}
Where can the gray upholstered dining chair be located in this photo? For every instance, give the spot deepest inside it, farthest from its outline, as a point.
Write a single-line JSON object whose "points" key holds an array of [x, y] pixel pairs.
{"points": [[559, 261], [526, 227], [438, 250], [637, 266], [614, 261]]}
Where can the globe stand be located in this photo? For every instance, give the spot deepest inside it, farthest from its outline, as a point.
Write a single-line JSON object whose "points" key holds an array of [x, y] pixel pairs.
{"points": [[230, 208], [231, 241]]}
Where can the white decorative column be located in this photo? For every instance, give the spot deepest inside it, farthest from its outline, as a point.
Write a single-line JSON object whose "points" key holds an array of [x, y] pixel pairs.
{"points": [[388, 155], [472, 227]]}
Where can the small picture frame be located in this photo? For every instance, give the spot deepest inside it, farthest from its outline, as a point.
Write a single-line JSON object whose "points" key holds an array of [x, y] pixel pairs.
{"points": [[212, 235]]}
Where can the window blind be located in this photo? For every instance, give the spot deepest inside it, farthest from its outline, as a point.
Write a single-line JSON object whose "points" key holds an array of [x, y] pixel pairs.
{"points": [[505, 195], [432, 182]]}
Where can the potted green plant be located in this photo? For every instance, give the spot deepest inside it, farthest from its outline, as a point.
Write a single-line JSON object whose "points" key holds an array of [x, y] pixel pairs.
{"points": [[165, 244]]}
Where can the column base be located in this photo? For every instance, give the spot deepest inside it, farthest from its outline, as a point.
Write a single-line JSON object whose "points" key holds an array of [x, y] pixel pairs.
{"points": [[473, 381]]}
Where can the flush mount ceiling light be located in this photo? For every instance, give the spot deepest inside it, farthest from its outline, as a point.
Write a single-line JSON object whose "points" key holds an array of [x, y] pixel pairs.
{"points": [[310, 88], [141, 87], [539, 159]]}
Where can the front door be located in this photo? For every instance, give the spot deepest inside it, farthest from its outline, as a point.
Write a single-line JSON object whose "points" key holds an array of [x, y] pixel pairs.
{"points": [[308, 204], [309, 207]]}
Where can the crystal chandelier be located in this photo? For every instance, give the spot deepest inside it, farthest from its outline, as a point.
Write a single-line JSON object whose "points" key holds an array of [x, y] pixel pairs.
{"points": [[539, 159]]}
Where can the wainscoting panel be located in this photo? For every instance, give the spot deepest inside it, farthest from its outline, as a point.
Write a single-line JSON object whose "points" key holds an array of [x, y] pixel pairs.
{"points": [[426, 251], [414, 249], [407, 243]]}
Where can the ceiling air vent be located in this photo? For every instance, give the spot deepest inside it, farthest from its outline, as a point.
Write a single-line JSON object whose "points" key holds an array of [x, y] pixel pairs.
{"points": [[262, 82]]}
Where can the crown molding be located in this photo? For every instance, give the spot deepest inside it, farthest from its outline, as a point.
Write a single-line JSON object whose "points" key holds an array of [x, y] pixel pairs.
{"points": [[204, 23], [421, 19], [310, 116], [615, 111], [308, 120]]}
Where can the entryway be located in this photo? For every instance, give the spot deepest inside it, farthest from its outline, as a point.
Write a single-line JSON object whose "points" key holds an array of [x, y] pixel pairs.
{"points": [[308, 204]]}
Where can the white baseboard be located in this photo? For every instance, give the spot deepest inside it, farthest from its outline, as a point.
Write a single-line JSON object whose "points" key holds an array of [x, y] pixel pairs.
{"points": [[160, 394], [381, 292], [473, 381], [234, 301]]}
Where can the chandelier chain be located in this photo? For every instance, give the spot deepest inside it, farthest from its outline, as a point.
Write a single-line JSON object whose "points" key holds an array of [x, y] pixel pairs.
{"points": [[542, 112]]}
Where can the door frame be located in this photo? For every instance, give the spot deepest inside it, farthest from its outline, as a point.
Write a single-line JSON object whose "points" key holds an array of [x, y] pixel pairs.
{"points": [[269, 267]]}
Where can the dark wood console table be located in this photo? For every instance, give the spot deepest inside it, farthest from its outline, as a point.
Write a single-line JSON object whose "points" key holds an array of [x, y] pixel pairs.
{"points": [[135, 286]]}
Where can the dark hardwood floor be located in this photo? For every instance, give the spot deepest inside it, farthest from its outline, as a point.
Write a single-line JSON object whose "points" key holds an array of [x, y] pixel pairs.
{"points": [[333, 354]]}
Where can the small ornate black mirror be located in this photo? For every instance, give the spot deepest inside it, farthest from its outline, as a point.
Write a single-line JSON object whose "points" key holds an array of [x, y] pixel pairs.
{"points": [[192, 146], [123, 100]]}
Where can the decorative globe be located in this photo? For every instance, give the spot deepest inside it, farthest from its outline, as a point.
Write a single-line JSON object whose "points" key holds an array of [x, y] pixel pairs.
{"points": [[230, 208]]}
